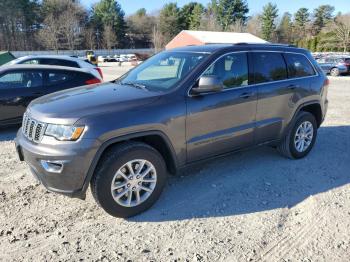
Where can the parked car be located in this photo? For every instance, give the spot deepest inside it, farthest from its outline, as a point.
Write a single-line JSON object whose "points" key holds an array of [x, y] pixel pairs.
{"points": [[117, 58], [123, 58], [335, 66], [59, 60], [20, 84], [124, 137]]}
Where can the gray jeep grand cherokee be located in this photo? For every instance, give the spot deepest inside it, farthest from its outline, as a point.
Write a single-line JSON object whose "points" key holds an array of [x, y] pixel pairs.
{"points": [[180, 106]]}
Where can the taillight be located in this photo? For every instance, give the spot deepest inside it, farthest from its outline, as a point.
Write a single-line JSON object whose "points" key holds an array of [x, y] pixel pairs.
{"points": [[92, 81], [99, 71]]}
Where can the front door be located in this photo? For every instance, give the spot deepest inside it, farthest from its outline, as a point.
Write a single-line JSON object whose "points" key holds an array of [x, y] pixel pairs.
{"points": [[223, 121]]}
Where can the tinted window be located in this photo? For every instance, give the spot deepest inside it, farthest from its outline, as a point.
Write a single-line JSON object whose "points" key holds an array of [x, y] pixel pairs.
{"points": [[58, 62], [269, 66], [27, 79], [231, 69], [298, 66], [59, 77]]}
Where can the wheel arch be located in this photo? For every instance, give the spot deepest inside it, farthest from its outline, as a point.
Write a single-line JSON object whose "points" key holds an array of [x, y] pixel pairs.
{"points": [[156, 139], [313, 107]]}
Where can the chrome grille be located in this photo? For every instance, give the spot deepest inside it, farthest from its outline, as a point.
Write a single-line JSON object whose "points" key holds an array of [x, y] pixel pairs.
{"points": [[32, 129]]}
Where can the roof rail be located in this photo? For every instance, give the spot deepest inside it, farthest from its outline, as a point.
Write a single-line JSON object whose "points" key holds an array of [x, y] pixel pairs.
{"points": [[270, 44]]}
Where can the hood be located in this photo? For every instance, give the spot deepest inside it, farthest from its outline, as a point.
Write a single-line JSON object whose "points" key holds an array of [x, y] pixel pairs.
{"points": [[67, 106]]}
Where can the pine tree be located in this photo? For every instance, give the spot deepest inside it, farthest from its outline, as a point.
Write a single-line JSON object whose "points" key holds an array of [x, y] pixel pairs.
{"points": [[285, 28], [109, 13], [196, 17], [228, 12], [322, 14], [268, 19]]}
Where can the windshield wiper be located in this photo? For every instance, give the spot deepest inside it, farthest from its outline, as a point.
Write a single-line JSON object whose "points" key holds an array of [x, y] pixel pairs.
{"points": [[134, 85]]}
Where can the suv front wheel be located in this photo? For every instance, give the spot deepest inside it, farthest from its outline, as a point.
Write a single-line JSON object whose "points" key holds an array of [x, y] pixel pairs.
{"points": [[129, 179], [300, 139]]}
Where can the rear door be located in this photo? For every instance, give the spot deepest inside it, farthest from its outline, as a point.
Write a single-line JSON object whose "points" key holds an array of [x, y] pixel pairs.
{"points": [[17, 89], [283, 80], [275, 94], [57, 80]]}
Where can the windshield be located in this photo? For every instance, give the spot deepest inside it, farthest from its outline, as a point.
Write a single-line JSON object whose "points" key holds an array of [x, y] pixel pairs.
{"points": [[163, 71]]}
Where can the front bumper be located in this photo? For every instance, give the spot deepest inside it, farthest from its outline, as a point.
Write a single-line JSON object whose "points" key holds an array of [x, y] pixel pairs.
{"points": [[77, 158]]}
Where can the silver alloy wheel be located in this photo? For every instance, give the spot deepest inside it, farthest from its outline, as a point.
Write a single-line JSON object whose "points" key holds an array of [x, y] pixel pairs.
{"points": [[134, 182], [303, 136]]}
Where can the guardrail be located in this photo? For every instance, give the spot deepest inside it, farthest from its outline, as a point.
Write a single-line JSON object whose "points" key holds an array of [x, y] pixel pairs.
{"points": [[149, 51]]}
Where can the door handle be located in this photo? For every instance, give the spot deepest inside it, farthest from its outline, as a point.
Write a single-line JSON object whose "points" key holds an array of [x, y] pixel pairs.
{"points": [[246, 95]]}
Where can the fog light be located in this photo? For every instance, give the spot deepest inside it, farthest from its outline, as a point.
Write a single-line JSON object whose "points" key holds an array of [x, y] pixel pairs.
{"points": [[52, 166]]}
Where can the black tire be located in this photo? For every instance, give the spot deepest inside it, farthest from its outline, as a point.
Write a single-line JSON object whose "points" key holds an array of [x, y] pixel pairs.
{"points": [[335, 72], [287, 147], [110, 164]]}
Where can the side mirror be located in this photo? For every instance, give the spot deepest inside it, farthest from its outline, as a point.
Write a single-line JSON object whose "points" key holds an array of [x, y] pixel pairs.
{"points": [[208, 84]]}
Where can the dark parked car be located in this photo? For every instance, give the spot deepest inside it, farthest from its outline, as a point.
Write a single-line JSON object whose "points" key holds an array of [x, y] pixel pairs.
{"points": [[20, 84], [335, 66], [176, 108]]}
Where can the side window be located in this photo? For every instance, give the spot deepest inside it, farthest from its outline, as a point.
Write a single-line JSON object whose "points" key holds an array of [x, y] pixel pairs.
{"points": [[58, 62], [26, 79], [269, 66], [59, 77], [231, 69], [298, 66], [31, 62]]}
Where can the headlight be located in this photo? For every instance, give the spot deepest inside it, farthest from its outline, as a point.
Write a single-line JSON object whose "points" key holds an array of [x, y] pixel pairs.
{"points": [[64, 133]]}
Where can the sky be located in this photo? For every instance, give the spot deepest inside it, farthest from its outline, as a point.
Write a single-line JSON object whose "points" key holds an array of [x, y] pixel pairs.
{"points": [[255, 6]]}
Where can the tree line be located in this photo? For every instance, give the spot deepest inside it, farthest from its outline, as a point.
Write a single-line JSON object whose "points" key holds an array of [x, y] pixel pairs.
{"points": [[68, 25]]}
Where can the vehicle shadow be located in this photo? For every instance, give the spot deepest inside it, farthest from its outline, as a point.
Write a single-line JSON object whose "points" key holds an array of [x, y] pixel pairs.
{"points": [[255, 181], [8, 133]]}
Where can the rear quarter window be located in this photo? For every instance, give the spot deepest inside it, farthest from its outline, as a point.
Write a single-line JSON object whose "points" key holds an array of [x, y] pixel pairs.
{"points": [[298, 65], [59, 77], [269, 66]]}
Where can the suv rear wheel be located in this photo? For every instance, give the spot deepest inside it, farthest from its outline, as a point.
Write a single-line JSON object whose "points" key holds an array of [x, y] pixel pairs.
{"points": [[300, 139], [129, 179]]}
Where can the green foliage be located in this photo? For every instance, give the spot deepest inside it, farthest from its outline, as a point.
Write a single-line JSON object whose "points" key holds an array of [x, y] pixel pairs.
{"points": [[109, 13], [141, 12], [196, 16], [268, 19], [284, 30], [323, 14], [228, 12], [301, 17], [191, 15], [170, 21]]}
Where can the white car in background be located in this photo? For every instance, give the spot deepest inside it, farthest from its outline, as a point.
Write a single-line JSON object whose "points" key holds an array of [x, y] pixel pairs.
{"points": [[123, 58], [59, 60]]}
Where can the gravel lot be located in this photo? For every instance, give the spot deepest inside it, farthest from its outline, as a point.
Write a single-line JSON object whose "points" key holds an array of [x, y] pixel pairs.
{"points": [[250, 206]]}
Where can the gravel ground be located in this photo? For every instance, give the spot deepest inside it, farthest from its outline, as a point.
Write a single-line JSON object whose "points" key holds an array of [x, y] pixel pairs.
{"points": [[250, 206]]}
